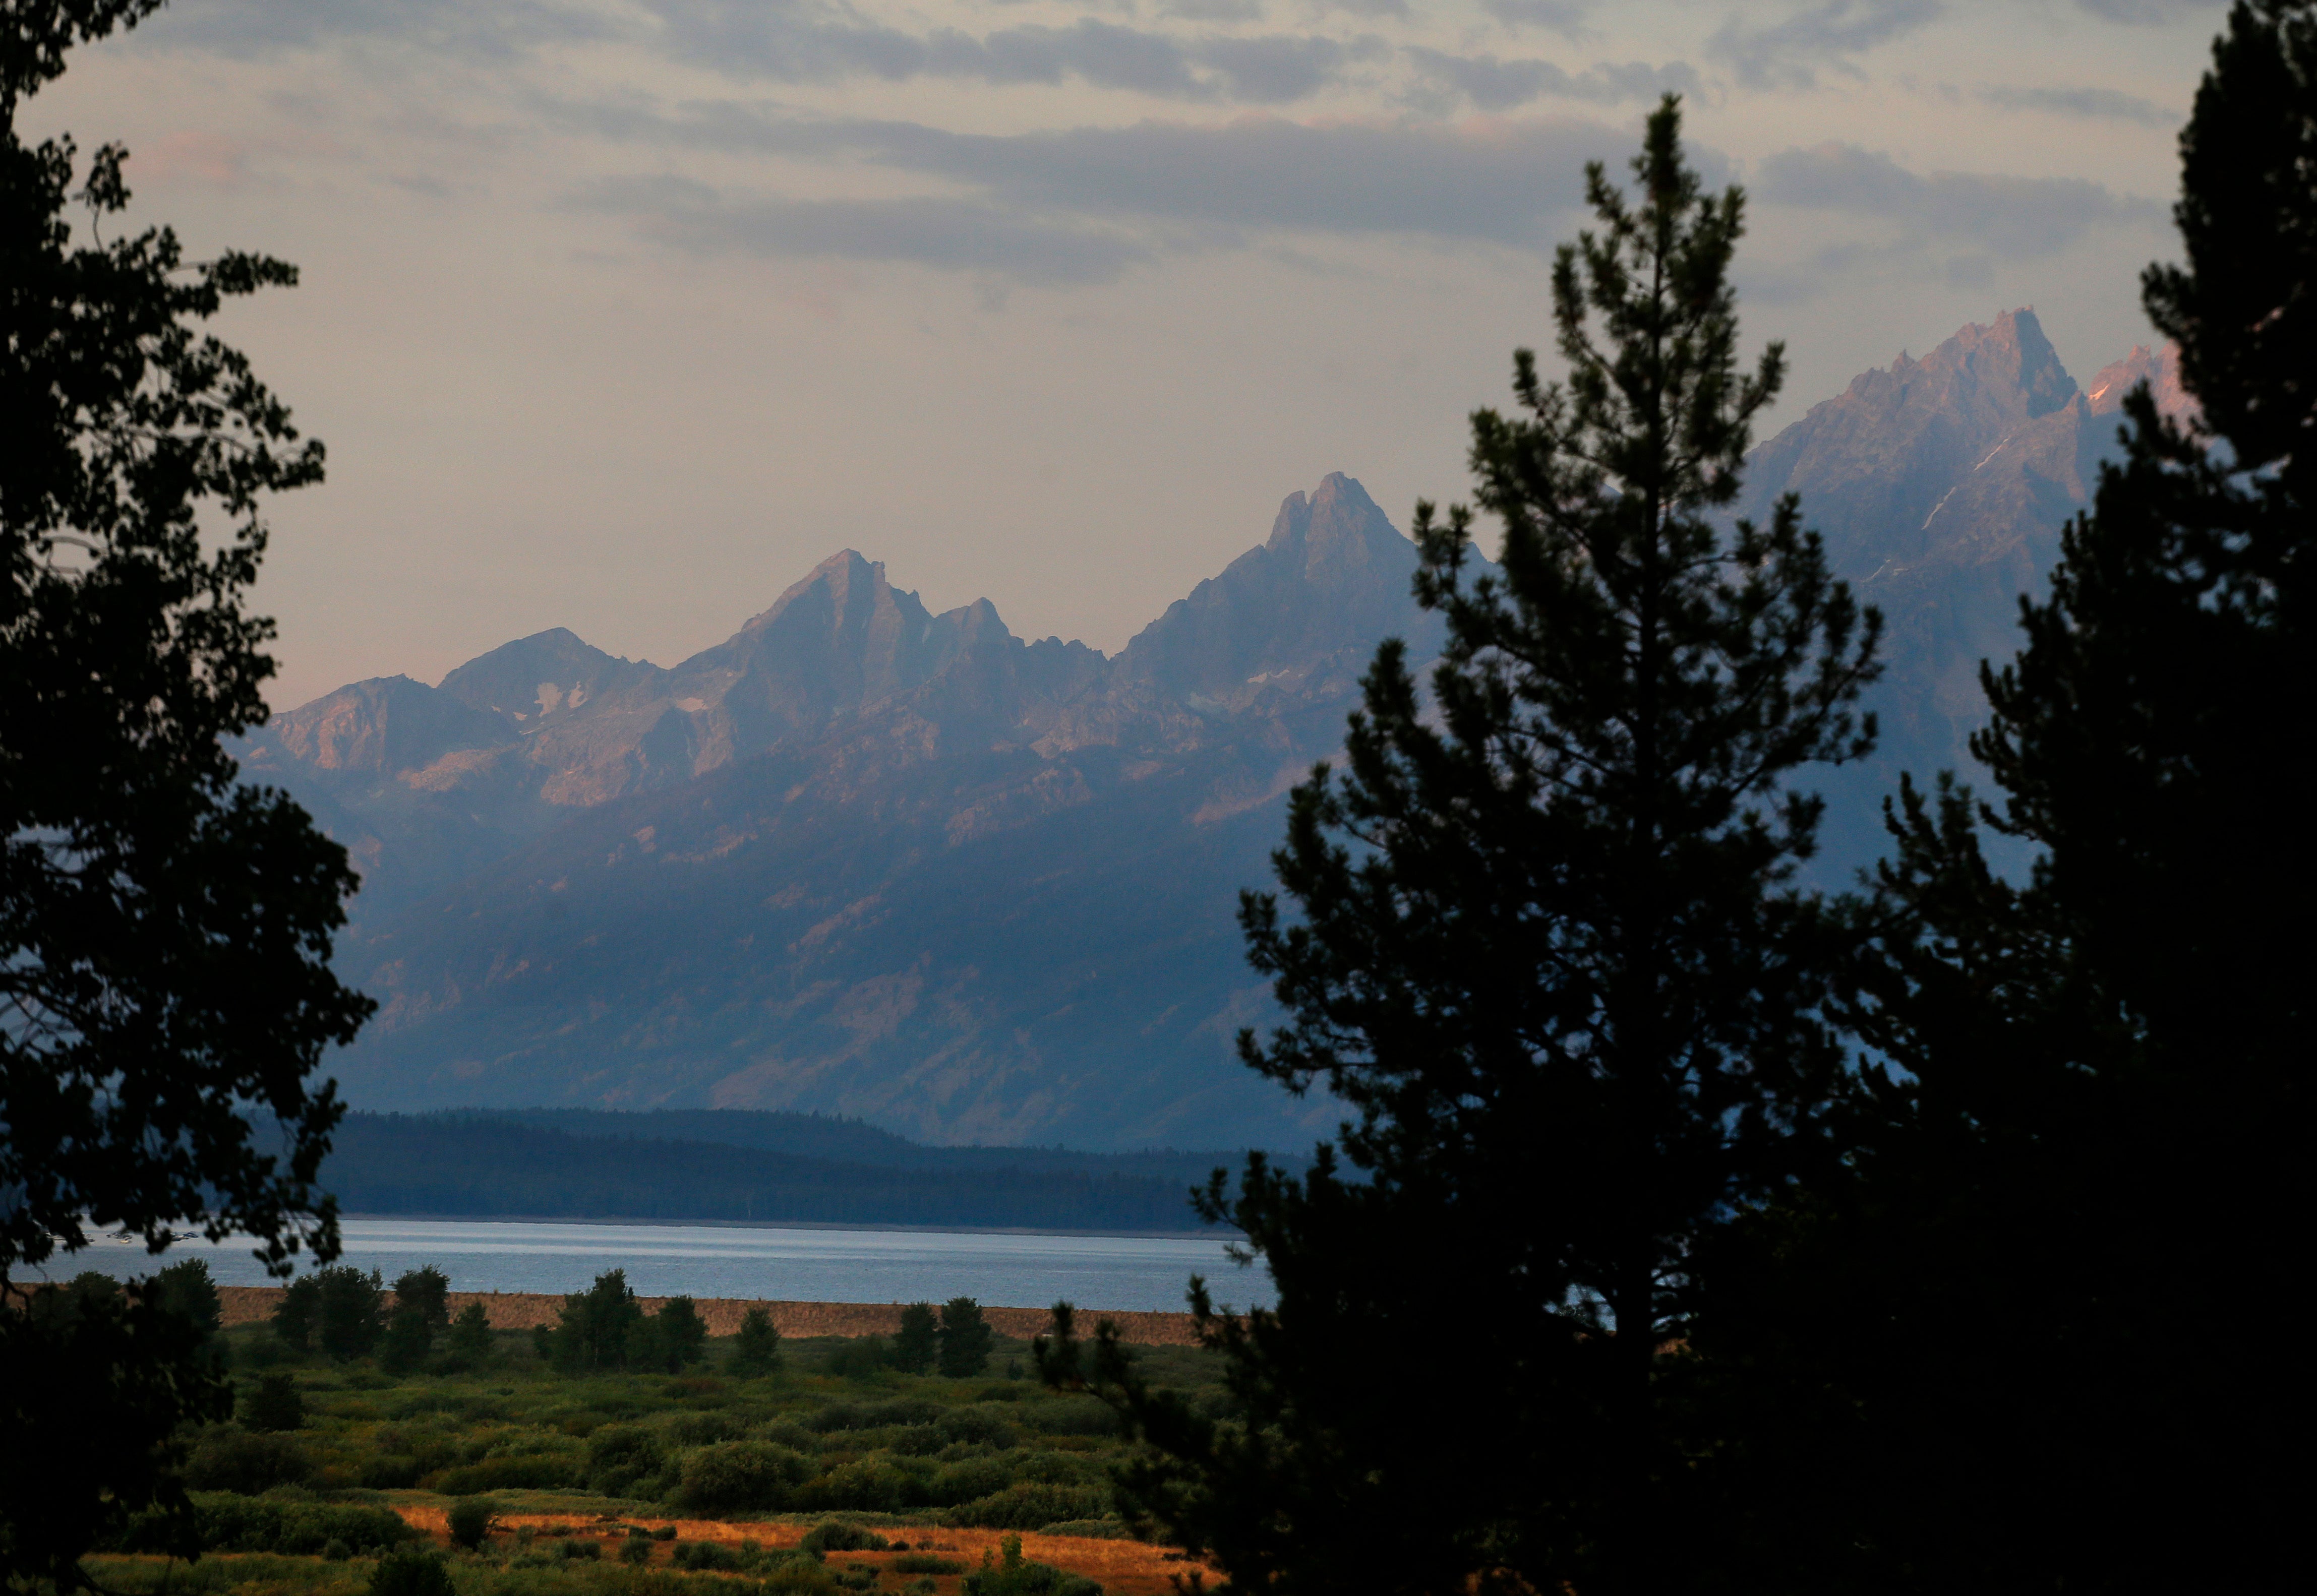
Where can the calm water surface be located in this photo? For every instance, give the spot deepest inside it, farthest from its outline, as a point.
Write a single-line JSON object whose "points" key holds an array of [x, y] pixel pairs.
{"points": [[1094, 1271]]}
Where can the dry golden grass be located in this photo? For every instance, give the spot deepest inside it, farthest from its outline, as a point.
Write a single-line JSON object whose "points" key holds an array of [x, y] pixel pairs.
{"points": [[1125, 1567], [515, 1310]]}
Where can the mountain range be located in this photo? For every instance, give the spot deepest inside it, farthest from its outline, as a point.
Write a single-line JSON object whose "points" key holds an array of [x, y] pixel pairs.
{"points": [[867, 859]]}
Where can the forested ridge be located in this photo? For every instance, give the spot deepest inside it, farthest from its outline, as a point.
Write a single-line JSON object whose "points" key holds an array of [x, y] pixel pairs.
{"points": [[481, 1164]]}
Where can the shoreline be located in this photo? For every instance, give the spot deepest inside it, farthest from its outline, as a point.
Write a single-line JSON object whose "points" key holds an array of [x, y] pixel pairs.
{"points": [[1216, 1232], [523, 1310]]}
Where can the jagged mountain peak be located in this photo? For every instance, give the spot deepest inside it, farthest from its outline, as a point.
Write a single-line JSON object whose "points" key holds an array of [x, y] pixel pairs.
{"points": [[2159, 367], [549, 673], [2012, 356], [381, 726], [1889, 448], [1332, 576], [2004, 371], [846, 590], [1337, 528]]}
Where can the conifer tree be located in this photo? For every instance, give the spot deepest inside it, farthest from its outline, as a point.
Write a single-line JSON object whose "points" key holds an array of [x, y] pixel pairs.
{"points": [[468, 1346], [918, 1342], [757, 1349], [679, 1336], [427, 1289], [403, 1345], [1550, 953], [602, 1328], [966, 1338], [2071, 1206]]}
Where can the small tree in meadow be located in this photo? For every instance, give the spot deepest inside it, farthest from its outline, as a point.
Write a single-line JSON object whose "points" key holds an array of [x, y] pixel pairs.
{"points": [[597, 1328], [966, 1338], [349, 1311], [918, 1342], [469, 1343], [428, 1290], [757, 1349], [679, 1336], [409, 1338], [187, 1291], [296, 1315], [469, 1521]]}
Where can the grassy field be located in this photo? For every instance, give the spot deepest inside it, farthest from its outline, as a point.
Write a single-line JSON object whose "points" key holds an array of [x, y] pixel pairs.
{"points": [[654, 1484]]}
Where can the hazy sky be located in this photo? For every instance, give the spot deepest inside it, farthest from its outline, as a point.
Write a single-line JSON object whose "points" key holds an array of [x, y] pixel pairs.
{"points": [[620, 315]]}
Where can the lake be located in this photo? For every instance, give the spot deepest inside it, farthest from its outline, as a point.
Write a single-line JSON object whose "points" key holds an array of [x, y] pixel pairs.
{"points": [[798, 1265]]}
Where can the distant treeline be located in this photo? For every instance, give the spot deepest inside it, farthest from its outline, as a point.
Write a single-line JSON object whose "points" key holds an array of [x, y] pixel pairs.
{"points": [[855, 1141], [492, 1163]]}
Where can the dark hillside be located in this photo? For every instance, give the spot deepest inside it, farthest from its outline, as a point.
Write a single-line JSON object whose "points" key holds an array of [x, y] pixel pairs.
{"points": [[856, 1141], [478, 1165]]}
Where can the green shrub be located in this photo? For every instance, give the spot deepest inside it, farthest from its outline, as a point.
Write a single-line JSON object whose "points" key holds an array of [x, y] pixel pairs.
{"points": [[227, 1459], [1058, 1469], [391, 1472], [985, 1425], [1013, 1576], [265, 1352], [859, 1359], [800, 1577], [337, 1551], [410, 1572], [227, 1523], [702, 1430], [664, 1532], [536, 1471], [958, 1483], [1031, 1506], [618, 1455], [1070, 1415], [469, 1521], [707, 1556], [869, 1485], [926, 1562], [272, 1404], [831, 1535], [875, 1415], [579, 1551], [637, 1551], [739, 1475]]}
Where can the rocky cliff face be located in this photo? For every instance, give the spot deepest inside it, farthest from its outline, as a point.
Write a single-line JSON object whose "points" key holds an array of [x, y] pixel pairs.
{"points": [[1941, 487], [866, 858]]}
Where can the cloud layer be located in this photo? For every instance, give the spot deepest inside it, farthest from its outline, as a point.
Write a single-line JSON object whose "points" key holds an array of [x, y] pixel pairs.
{"points": [[2010, 217]]}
